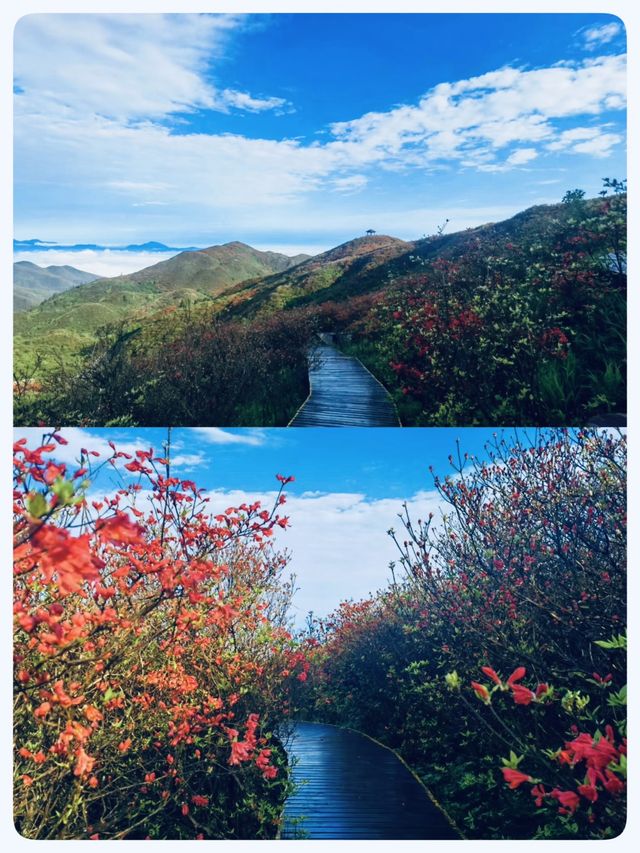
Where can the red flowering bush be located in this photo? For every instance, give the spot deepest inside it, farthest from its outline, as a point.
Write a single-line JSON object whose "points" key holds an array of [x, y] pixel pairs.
{"points": [[525, 328], [152, 660], [526, 565], [583, 781]]}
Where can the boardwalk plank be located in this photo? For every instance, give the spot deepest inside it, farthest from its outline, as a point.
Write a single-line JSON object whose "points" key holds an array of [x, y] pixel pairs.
{"points": [[343, 394], [351, 787]]}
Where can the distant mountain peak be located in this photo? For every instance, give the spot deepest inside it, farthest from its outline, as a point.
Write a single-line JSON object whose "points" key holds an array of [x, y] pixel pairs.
{"points": [[238, 244], [33, 245], [363, 246], [33, 284]]}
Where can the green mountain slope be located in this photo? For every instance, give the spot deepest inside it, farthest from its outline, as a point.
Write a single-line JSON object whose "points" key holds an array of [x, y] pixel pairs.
{"points": [[352, 268], [33, 284], [189, 277], [369, 264], [212, 270]]}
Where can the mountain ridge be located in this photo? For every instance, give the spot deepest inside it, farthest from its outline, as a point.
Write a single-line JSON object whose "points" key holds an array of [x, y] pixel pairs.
{"points": [[33, 284], [190, 276], [35, 245]]}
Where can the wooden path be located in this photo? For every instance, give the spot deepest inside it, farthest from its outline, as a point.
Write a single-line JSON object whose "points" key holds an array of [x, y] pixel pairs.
{"points": [[343, 393], [353, 788]]}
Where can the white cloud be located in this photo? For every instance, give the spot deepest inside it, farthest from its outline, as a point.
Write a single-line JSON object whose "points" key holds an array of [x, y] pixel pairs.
{"points": [[586, 140], [106, 263], [471, 120], [244, 101], [593, 37], [599, 146], [338, 541], [521, 156], [215, 435], [78, 438], [125, 67], [97, 124], [188, 461]]}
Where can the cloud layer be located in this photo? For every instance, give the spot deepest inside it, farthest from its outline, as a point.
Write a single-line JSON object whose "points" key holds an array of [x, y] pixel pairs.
{"points": [[128, 68], [103, 112], [338, 542]]}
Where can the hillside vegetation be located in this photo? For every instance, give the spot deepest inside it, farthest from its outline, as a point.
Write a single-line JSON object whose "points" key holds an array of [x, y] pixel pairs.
{"points": [[191, 277], [33, 284], [495, 659], [518, 322], [353, 268]]}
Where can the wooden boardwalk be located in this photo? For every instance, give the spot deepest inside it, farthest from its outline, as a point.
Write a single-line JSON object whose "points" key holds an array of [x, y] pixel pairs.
{"points": [[350, 787], [343, 393]]}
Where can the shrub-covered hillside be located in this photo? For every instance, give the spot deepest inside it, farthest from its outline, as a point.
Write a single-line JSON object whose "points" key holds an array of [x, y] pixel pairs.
{"points": [[520, 322], [495, 662]]}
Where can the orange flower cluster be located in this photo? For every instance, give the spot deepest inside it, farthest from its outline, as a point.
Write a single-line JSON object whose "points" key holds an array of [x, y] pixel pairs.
{"points": [[142, 648]]}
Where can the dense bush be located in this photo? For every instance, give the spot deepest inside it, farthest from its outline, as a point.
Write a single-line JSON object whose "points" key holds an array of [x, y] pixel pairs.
{"points": [[498, 654], [519, 330], [523, 322], [152, 659], [184, 368]]}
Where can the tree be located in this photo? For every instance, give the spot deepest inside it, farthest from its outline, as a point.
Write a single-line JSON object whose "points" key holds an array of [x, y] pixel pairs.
{"points": [[572, 196]]}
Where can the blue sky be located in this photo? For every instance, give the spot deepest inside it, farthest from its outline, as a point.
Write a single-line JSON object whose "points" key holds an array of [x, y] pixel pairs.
{"points": [[300, 131], [349, 488]]}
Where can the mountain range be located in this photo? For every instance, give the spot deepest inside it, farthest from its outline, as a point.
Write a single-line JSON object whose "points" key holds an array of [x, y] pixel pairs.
{"points": [[36, 245], [33, 284], [70, 319], [237, 281]]}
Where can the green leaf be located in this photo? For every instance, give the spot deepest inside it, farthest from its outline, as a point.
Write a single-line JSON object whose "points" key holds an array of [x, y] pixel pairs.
{"points": [[619, 642], [37, 505], [64, 490], [512, 761], [619, 699]]}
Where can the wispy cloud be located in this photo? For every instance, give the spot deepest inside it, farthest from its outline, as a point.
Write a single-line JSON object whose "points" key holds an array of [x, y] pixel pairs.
{"points": [[594, 37], [126, 67], [99, 116], [188, 461], [216, 435], [586, 140], [244, 101]]}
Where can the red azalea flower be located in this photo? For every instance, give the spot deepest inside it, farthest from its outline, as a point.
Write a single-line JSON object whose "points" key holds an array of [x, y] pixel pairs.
{"points": [[522, 695], [491, 673], [516, 675], [589, 792], [481, 691], [568, 799], [613, 785], [539, 793], [514, 777]]}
